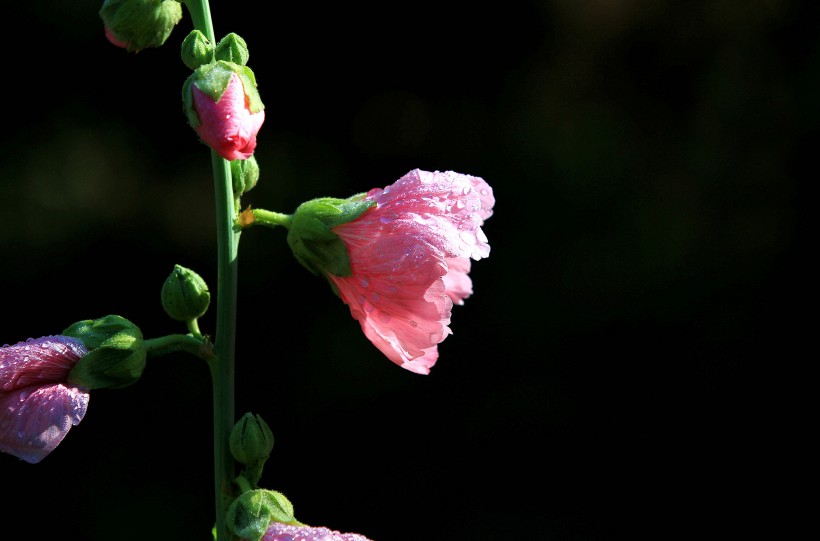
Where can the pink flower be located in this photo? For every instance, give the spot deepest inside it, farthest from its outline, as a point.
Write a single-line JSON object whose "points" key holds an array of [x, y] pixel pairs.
{"points": [[278, 531], [228, 126], [410, 258], [37, 405]]}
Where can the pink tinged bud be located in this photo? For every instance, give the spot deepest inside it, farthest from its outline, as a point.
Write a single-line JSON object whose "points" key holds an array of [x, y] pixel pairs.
{"points": [[410, 258], [37, 405], [109, 35], [279, 531], [228, 126]]}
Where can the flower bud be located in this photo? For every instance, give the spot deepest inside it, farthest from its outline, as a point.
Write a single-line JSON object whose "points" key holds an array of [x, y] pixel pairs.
{"points": [[140, 24], [185, 294], [196, 50], [116, 356], [310, 237], [232, 48], [245, 175], [250, 514], [251, 440], [224, 108]]}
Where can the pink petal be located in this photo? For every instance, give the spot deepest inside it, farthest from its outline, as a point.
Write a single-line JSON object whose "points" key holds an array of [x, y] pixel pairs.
{"points": [[410, 259], [228, 126], [34, 420], [48, 359], [278, 531], [457, 284]]}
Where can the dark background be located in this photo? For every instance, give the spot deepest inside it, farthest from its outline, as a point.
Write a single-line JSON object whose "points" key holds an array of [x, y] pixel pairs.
{"points": [[649, 163]]}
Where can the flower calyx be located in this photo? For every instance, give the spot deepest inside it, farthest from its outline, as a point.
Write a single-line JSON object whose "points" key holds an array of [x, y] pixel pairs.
{"points": [[311, 238], [116, 356]]}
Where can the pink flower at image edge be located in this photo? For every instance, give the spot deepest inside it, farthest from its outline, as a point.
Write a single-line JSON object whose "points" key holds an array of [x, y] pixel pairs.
{"points": [[410, 261], [278, 531], [37, 405], [228, 126]]}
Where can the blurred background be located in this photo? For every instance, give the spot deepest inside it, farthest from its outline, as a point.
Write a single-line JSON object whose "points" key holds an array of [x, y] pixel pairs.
{"points": [[649, 161]]}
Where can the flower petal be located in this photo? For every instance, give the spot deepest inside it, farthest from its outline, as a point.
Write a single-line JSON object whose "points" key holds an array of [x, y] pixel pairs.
{"points": [[278, 531], [48, 359], [34, 420]]}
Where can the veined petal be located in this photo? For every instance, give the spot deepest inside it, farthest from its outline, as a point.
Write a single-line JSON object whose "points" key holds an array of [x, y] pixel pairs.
{"points": [[35, 419], [48, 359]]}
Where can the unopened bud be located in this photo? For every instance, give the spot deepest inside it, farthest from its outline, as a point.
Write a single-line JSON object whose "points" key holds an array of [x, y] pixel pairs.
{"points": [[232, 48], [197, 50], [251, 440], [245, 174], [185, 294]]}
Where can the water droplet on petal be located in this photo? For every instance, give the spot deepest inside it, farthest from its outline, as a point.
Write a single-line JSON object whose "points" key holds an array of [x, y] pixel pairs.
{"points": [[388, 217]]}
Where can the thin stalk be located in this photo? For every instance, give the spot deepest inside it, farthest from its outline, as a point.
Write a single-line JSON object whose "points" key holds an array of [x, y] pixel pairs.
{"points": [[222, 366]]}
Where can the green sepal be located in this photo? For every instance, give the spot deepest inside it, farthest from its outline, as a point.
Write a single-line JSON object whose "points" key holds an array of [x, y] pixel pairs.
{"points": [[212, 79], [250, 514], [196, 50], [310, 237], [116, 356], [185, 295], [141, 23], [232, 48]]}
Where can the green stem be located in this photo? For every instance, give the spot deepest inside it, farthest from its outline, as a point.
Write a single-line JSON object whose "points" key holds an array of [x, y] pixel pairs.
{"points": [[164, 345], [267, 218], [222, 367]]}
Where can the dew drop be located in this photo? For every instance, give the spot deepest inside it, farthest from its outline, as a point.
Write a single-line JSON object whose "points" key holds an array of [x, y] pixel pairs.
{"points": [[388, 217], [467, 189], [484, 191], [384, 317], [21, 434], [364, 281]]}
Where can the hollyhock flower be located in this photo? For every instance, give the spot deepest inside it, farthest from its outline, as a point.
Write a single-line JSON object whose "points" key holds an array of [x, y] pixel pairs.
{"points": [[278, 531], [227, 124], [37, 404], [399, 257]]}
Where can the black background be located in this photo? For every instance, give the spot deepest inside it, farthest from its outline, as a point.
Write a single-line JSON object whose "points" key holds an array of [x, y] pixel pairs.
{"points": [[649, 164]]}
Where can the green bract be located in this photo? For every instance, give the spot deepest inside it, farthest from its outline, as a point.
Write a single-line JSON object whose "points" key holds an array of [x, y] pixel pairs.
{"points": [[212, 79], [185, 294], [116, 356], [310, 237], [141, 23]]}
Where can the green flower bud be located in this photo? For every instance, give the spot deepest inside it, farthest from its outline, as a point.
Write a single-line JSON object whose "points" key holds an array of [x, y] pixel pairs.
{"points": [[232, 48], [250, 514], [185, 294], [116, 356], [310, 237], [245, 175], [197, 50], [140, 24], [251, 440]]}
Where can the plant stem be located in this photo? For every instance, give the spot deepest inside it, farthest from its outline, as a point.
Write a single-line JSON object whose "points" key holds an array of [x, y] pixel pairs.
{"points": [[222, 367]]}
